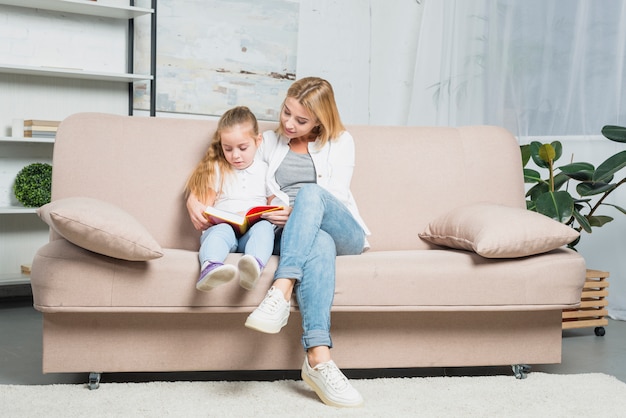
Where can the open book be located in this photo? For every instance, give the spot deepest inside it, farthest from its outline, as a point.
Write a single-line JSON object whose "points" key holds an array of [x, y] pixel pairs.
{"points": [[240, 223]]}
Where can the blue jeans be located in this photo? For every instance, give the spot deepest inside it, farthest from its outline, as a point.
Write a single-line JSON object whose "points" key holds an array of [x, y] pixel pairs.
{"points": [[319, 228], [219, 240]]}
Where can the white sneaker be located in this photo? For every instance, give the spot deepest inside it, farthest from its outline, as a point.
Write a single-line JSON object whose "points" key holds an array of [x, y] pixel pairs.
{"points": [[331, 385], [249, 271], [272, 314]]}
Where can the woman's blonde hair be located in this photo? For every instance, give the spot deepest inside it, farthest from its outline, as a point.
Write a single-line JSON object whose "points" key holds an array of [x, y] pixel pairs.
{"points": [[316, 95], [204, 176]]}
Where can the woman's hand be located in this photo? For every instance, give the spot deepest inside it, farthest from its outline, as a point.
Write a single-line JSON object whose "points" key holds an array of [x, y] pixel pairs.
{"points": [[278, 217], [196, 210]]}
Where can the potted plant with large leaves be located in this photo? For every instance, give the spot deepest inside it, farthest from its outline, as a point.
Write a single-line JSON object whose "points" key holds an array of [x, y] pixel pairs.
{"points": [[574, 193]]}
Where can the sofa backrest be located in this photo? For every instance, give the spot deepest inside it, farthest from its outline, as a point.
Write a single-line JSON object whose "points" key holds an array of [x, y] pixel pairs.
{"points": [[404, 176], [407, 176]]}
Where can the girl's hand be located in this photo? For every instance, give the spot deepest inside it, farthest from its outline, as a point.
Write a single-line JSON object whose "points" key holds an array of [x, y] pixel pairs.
{"points": [[196, 210], [278, 217]]}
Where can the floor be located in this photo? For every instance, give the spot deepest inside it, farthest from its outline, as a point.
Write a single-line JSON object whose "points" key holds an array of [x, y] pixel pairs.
{"points": [[20, 356]]}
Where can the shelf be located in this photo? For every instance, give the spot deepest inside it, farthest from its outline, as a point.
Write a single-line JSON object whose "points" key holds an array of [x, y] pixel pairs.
{"points": [[16, 210], [83, 7], [19, 139], [8, 279], [72, 73]]}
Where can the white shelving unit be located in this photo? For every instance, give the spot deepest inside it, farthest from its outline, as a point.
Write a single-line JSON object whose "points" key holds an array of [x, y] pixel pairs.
{"points": [[21, 232]]}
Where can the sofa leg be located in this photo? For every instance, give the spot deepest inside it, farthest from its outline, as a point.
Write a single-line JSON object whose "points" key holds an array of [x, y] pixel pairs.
{"points": [[94, 380], [520, 370]]}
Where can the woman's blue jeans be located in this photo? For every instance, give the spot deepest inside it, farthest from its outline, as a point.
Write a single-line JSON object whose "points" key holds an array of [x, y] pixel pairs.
{"points": [[319, 228], [219, 240]]}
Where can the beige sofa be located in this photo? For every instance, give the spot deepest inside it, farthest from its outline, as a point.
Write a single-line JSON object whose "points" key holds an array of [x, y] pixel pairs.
{"points": [[406, 303]]}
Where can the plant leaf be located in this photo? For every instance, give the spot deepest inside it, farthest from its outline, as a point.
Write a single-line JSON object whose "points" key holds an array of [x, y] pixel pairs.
{"points": [[614, 133], [556, 205], [558, 149], [572, 245], [621, 209], [579, 204], [582, 221], [599, 220], [534, 154], [531, 176], [537, 190], [525, 150], [608, 168], [590, 189], [560, 180], [578, 171]]}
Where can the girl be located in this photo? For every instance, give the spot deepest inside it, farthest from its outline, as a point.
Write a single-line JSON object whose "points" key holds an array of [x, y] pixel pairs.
{"points": [[229, 178]]}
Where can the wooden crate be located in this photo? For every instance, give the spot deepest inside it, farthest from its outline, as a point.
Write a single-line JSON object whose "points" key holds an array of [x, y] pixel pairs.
{"points": [[592, 311]]}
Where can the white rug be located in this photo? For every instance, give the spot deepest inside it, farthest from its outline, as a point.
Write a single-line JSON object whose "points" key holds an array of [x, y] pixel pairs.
{"points": [[539, 395]]}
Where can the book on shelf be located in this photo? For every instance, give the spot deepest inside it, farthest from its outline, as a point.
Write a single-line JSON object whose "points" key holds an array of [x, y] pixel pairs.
{"points": [[40, 128], [39, 134], [240, 223], [41, 122]]}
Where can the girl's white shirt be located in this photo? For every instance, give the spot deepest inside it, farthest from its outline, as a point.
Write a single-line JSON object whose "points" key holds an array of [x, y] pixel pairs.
{"points": [[334, 165], [244, 189]]}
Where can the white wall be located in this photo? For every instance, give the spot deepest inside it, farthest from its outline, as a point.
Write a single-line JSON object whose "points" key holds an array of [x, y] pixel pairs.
{"points": [[366, 49]]}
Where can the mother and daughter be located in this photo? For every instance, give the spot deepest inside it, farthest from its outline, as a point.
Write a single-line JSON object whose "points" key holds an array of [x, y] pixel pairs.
{"points": [[305, 166]]}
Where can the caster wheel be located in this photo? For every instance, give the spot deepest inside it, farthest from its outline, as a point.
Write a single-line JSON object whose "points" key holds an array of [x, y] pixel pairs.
{"points": [[94, 381], [520, 370], [599, 331]]}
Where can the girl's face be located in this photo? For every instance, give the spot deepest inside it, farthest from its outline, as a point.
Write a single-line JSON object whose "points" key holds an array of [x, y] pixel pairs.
{"points": [[239, 145], [296, 120]]}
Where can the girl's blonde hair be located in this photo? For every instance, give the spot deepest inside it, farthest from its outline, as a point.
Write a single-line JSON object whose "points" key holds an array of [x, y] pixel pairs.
{"points": [[204, 176], [316, 95]]}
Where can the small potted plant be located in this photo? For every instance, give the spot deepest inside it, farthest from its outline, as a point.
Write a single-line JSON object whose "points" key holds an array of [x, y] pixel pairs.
{"points": [[33, 185]]}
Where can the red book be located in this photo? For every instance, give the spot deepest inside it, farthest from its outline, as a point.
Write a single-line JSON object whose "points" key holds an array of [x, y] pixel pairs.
{"points": [[240, 223]]}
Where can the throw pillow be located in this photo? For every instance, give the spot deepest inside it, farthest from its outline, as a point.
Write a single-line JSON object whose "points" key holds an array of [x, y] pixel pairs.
{"points": [[497, 231], [100, 227]]}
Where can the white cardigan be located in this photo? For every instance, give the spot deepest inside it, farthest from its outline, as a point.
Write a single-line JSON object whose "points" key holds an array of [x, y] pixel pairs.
{"points": [[334, 164]]}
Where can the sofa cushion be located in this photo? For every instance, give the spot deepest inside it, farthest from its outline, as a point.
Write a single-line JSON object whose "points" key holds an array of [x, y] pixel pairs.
{"points": [[100, 227], [168, 284], [497, 231]]}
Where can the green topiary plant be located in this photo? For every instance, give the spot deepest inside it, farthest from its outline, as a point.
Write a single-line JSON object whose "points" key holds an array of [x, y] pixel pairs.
{"points": [[33, 185], [554, 196]]}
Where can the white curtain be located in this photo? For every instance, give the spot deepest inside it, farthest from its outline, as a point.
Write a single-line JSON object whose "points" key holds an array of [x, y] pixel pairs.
{"points": [[536, 67]]}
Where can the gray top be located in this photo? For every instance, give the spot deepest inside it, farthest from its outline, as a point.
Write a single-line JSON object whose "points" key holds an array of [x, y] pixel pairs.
{"points": [[294, 171]]}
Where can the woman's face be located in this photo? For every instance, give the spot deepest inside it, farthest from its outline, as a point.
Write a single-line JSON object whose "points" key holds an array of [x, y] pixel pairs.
{"points": [[297, 121]]}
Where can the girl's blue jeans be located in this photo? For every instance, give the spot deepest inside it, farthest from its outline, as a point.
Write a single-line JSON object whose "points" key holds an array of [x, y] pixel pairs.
{"points": [[219, 240], [319, 228]]}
